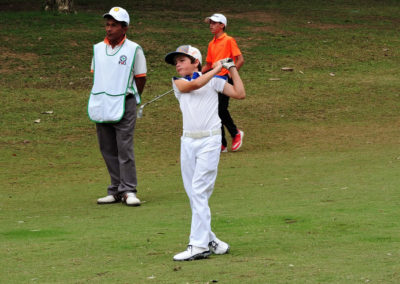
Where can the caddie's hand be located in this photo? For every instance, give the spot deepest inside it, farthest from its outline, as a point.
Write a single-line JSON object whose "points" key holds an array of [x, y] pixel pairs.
{"points": [[217, 65], [227, 63]]}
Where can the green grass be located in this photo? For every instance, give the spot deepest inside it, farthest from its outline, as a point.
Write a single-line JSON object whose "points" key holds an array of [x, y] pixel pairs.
{"points": [[312, 197]]}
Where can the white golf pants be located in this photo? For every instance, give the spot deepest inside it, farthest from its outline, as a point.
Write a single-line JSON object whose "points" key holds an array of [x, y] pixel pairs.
{"points": [[199, 167]]}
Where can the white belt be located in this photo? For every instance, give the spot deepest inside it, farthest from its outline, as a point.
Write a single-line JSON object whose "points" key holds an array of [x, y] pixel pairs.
{"points": [[201, 134]]}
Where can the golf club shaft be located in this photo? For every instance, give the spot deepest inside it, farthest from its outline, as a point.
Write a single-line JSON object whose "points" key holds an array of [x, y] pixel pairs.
{"points": [[140, 111], [156, 98]]}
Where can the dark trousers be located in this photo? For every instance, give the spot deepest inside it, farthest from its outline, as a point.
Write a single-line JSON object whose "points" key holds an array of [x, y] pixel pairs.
{"points": [[225, 116], [116, 146]]}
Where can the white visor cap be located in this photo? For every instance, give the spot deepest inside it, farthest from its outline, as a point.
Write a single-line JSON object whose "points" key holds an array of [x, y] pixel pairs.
{"points": [[119, 14], [188, 50], [218, 18]]}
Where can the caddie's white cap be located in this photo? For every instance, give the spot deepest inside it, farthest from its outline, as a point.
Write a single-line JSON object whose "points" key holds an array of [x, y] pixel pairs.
{"points": [[119, 14], [218, 18], [185, 50]]}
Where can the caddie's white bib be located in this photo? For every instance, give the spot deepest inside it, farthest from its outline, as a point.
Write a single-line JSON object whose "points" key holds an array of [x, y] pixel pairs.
{"points": [[110, 83]]}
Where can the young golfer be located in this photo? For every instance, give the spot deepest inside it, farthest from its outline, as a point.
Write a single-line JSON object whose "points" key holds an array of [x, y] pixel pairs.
{"points": [[119, 67], [201, 141], [224, 46]]}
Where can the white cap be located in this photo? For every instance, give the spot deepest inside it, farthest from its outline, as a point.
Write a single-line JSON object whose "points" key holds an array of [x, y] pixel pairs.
{"points": [[119, 14], [185, 50], [218, 18]]}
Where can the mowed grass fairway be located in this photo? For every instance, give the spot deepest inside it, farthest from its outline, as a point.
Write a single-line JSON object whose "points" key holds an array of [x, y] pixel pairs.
{"points": [[312, 197]]}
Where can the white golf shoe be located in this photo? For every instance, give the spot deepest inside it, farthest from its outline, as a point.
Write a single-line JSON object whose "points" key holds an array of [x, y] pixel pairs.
{"points": [[130, 199], [218, 247], [109, 199], [192, 253]]}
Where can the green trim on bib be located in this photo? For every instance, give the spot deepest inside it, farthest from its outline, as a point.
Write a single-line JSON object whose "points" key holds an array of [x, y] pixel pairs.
{"points": [[130, 74], [94, 72], [114, 121], [118, 49], [123, 94], [94, 62], [135, 94]]}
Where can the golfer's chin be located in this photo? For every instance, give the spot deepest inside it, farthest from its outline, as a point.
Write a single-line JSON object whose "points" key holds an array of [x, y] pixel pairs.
{"points": [[182, 74]]}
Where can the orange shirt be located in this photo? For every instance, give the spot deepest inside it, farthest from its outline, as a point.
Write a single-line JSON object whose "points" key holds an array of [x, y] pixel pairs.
{"points": [[223, 47], [107, 42]]}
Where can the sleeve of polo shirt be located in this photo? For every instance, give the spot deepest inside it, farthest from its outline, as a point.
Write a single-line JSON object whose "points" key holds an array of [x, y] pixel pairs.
{"points": [[234, 48], [176, 90], [140, 68], [218, 84]]}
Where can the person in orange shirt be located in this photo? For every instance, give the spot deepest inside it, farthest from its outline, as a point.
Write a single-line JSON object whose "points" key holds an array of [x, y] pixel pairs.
{"points": [[220, 47]]}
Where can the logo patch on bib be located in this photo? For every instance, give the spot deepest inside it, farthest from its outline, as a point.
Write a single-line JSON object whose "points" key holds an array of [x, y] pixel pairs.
{"points": [[123, 59]]}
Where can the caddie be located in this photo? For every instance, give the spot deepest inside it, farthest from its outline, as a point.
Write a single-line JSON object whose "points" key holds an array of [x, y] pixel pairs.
{"points": [[119, 68]]}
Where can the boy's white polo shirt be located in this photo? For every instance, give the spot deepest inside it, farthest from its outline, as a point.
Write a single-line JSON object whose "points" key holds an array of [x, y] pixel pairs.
{"points": [[200, 107]]}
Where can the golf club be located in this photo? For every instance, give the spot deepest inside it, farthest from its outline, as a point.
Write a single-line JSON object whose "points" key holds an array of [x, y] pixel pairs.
{"points": [[140, 111]]}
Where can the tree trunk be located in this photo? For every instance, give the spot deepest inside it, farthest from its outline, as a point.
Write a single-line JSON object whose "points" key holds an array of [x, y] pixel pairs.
{"points": [[64, 6]]}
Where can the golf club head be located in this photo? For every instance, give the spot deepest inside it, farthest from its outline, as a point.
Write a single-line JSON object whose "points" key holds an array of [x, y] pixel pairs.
{"points": [[140, 112]]}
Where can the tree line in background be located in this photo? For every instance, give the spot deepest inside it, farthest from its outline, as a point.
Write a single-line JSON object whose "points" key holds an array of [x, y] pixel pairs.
{"points": [[64, 6]]}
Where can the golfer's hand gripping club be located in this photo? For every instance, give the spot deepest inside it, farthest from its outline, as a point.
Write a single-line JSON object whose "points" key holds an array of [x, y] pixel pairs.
{"points": [[227, 63]]}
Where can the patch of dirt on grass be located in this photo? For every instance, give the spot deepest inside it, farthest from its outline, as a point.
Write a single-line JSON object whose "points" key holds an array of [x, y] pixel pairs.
{"points": [[322, 26], [11, 61], [248, 42], [268, 29], [345, 136], [151, 30], [267, 18], [262, 17]]}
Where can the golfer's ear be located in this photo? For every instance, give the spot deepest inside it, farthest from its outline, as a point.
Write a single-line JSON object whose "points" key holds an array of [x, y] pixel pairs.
{"points": [[198, 66]]}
